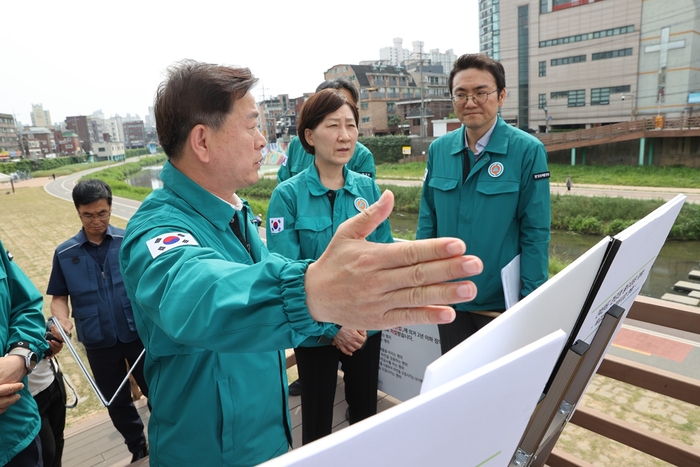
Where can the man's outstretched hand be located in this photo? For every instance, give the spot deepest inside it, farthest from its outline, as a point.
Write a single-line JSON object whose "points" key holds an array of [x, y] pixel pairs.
{"points": [[365, 285]]}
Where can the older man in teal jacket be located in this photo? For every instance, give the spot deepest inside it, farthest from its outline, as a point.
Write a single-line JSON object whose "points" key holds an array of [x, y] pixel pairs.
{"points": [[488, 184], [22, 344], [215, 310]]}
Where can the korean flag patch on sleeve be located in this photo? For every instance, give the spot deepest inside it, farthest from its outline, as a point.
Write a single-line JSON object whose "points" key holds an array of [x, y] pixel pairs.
{"points": [[168, 241], [276, 224]]}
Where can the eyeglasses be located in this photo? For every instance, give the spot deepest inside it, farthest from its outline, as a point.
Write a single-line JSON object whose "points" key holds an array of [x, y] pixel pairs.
{"points": [[479, 98], [101, 216]]}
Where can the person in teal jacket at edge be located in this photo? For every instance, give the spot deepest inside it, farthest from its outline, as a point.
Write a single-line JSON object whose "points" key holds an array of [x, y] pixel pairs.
{"points": [[22, 343], [488, 184], [215, 310], [303, 215], [298, 159]]}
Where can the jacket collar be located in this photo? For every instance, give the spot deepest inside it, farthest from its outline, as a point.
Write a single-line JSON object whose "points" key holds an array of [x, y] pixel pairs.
{"points": [[316, 188], [82, 239], [218, 212], [498, 144]]}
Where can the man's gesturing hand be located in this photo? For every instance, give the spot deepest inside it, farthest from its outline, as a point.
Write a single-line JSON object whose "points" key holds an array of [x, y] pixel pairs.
{"points": [[365, 285]]}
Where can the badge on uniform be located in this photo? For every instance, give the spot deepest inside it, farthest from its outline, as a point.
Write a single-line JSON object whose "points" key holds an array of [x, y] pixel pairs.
{"points": [[276, 224], [361, 204], [168, 241], [496, 169]]}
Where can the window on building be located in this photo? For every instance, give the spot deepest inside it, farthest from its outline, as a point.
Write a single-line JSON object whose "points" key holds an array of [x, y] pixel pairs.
{"points": [[577, 98], [542, 101], [587, 36], [568, 60], [543, 68], [600, 96], [365, 119], [558, 94], [390, 107], [612, 54], [364, 105]]}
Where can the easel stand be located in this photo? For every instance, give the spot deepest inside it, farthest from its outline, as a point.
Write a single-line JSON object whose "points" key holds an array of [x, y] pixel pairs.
{"points": [[556, 407]]}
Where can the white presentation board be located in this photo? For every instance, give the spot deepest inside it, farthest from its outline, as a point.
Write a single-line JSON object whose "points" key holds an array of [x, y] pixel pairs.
{"points": [[475, 420], [636, 250], [405, 353], [555, 305]]}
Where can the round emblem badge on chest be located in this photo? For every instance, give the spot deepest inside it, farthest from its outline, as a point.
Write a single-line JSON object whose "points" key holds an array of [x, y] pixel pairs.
{"points": [[496, 169], [361, 204]]}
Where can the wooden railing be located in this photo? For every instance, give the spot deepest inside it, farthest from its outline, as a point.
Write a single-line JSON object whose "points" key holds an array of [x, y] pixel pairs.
{"points": [[659, 312], [648, 127]]}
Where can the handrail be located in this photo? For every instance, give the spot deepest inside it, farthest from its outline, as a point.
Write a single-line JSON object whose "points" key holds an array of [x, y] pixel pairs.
{"points": [[659, 312], [631, 128]]}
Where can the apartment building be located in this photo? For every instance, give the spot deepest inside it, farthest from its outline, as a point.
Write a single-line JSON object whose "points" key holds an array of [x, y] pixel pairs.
{"points": [[67, 142], [134, 134], [40, 117], [9, 141], [80, 125], [380, 87], [38, 142]]}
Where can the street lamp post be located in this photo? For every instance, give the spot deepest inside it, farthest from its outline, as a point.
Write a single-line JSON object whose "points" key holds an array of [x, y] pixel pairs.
{"points": [[422, 101], [546, 118], [634, 103]]}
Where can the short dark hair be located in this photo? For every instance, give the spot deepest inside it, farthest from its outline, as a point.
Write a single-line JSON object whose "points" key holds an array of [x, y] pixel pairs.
{"points": [[315, 110], [196, 93], [340, 83], [480, 62], [89, 191]]}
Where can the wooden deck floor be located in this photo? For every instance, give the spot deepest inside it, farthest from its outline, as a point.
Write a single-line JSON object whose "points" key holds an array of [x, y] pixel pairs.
{"points": [[97, 443]]}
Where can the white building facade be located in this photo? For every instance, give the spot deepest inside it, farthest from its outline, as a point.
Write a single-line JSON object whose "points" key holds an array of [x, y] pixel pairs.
{"points": [[574, 64]]}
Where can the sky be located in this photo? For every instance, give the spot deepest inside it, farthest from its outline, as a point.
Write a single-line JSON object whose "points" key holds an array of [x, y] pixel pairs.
{"points": [[76, 57]]}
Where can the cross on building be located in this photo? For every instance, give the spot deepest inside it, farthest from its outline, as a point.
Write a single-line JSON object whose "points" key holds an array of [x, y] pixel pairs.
{"points": [[663, 47]]}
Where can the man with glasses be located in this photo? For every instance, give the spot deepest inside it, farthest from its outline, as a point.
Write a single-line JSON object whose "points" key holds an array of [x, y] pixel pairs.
{"points": [[86, 268], [488, 184]]}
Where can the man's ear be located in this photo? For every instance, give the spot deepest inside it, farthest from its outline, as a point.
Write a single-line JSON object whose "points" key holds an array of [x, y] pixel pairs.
{"points": [[198, 141], [501, 97]]}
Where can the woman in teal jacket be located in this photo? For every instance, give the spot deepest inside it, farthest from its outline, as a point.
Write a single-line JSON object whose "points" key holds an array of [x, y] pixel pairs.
{"points": [[297, 159], [303, 215]]}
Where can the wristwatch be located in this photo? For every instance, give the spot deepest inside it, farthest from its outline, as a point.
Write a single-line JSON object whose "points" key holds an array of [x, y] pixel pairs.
{"points": [[22, 349]]}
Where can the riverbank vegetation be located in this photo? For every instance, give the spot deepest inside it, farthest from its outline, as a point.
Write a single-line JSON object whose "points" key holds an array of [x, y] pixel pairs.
{"points": [[624, 175], [580, 214], [115, 177]]}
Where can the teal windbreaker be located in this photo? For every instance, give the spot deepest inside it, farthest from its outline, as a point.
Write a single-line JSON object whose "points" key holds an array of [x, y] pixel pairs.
{"points": [[500, 211], [214, 320], [21, 320]]}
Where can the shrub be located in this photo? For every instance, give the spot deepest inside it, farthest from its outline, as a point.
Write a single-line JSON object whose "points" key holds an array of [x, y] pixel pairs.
{"points": [[385, 149]]}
